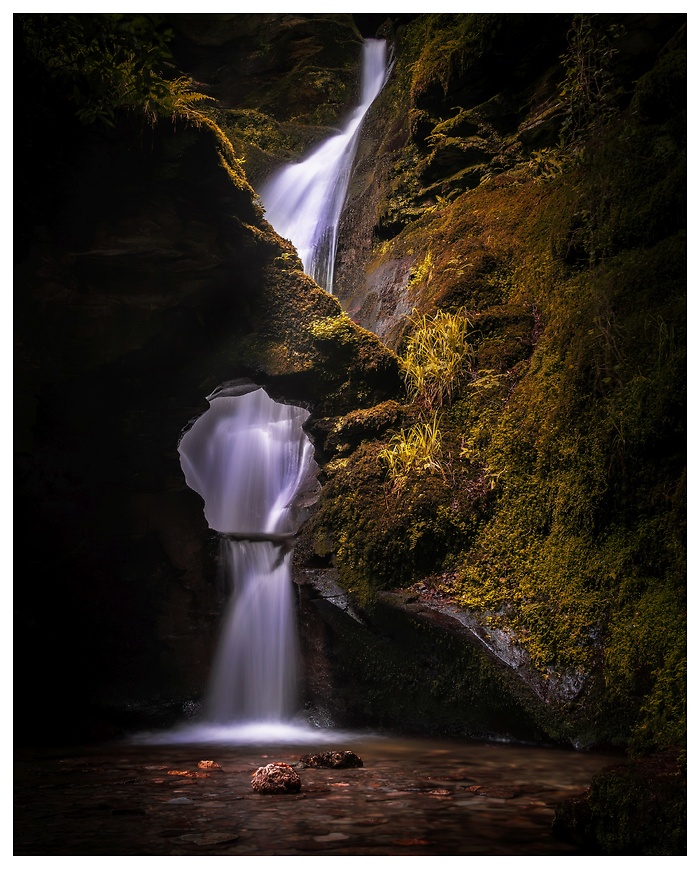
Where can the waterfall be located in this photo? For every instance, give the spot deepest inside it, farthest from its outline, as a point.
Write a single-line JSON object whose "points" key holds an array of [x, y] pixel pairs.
{"points": [[250, 460], [304, 201], [252, 463]]}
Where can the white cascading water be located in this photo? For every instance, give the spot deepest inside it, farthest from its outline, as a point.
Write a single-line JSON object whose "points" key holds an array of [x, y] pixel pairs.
{"points": [[304, 201], [250, 460]]}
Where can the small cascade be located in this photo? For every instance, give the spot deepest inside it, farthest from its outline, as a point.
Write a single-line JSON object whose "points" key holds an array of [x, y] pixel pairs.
{"points": [[304, 201], [252, 463]]}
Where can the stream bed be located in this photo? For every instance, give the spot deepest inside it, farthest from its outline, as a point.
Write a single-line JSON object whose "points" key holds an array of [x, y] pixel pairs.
{"points": [[412, 797]]}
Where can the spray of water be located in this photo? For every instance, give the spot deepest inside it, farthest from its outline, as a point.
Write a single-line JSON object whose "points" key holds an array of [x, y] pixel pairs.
{"points": [[304, 201]]}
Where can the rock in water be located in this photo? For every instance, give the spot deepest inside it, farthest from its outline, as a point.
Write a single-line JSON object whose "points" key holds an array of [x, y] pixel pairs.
{"points": [[276, 778], [332, 760]]}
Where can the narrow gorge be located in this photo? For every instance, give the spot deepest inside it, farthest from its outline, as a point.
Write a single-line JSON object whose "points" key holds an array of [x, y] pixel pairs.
{"points": [[350, 364]]}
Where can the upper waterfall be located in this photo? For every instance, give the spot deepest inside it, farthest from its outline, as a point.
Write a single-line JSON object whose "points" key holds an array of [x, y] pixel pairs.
{"points": [[304, 201]]}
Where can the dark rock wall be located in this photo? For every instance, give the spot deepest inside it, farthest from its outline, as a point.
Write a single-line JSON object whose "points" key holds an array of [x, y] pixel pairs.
{"points": [[146, 277], [403, 668]]}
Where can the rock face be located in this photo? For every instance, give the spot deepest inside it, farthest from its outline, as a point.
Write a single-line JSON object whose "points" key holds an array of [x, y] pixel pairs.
{"points": [[634, 808], [391, 665], [479, 191], [276, 778], [146, 277]]}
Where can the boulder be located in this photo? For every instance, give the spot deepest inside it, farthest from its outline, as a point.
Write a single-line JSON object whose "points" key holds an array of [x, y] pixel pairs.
{"points": [[276, 778], [331, 760]]}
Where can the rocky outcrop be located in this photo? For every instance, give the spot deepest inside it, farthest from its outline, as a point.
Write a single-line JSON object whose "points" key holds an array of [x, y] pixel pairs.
{"points": [[487, 185], [635, 808], [401, 667], [331, 760]]}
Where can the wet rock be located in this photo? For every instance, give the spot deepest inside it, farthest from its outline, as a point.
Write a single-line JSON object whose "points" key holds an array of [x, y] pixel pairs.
{"points": [[638, 807], [221, 838], [276, 778], [498, 791], [331, 760], [186, 773], [208, 764], [572, 820]]}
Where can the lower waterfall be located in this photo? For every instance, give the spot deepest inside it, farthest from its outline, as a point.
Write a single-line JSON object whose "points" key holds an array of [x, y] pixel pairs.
{"points": [[250, 460]]}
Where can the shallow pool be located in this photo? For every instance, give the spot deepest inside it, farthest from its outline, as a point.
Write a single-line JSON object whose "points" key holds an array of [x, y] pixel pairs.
{"points": [[412, 797]]}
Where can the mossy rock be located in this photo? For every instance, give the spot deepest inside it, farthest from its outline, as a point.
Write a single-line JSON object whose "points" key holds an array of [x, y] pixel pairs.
{"points": [[633, 809], [406, 672]]}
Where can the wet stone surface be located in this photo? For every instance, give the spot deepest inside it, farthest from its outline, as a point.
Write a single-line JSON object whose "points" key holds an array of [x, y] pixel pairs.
{"points": [[411, 797]]}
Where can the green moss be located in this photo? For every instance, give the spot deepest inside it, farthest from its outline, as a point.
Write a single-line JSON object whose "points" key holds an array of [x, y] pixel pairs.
{"points": [[335, 330], [562, 506], [638, 809]]}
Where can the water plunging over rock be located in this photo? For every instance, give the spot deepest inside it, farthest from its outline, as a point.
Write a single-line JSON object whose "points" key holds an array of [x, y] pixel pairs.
{"points": [[251, 461], [303, 202]]}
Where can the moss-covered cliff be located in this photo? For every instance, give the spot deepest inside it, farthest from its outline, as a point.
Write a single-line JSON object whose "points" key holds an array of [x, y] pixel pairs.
{"points": [[529, 172]]}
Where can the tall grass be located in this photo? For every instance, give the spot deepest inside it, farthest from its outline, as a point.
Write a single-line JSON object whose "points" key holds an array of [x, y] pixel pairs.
{"points": [[413, 452], [437, 352]]}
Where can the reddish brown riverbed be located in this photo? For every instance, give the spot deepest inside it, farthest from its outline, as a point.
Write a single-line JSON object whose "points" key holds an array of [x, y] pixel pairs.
{"points": [[412, 797]]}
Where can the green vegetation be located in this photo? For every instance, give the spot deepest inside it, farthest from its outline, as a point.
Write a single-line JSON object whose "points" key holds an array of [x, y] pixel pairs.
{"points": [[437, 353], [119, 67], [413, 453], [558, 509], [110, 64]]}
